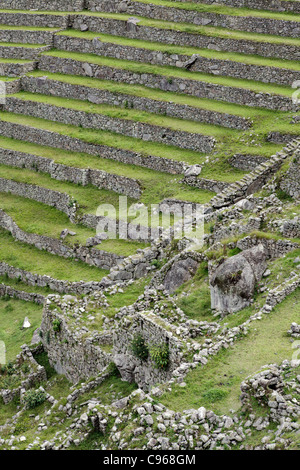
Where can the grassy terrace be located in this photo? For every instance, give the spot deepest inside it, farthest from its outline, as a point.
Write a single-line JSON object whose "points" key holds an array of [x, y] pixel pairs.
{"points": [[14, 61], [21, 45], [12, 314], [155, 94], [129, 115], [21, 286], [170, 49], [217, 32], [157, 186], [223, 10], [198, 7], [31, 259], [172, 72], [35, 217]]}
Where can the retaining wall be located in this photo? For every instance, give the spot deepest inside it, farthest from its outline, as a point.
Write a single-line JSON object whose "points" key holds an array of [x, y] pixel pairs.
{"points": [[229, 68], [192, 87], [160, 12], [47, 86], [83, 176], [91, 256], [133, 29], [137, 130], [52, 139]]}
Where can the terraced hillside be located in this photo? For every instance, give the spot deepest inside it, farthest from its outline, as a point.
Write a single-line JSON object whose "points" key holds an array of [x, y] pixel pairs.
{"points": [[165, 102]]}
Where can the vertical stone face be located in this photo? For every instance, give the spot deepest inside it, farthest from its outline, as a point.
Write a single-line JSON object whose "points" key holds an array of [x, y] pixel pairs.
{"points": [[233, 282], [71, 354], [144, 372], [290, 182]]}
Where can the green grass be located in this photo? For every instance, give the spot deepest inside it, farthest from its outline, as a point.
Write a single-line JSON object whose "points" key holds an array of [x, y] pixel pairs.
{"points": [[128, 114], [193, 297], [19, 285], [31, 259], [217, 385], [21, 45], [223, 10], [12, 314], [174, 49], [35, 217], [201, 30], [156, 95], [170, 72]]}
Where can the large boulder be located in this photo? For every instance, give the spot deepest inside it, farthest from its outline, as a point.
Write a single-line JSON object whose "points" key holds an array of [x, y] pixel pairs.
{"points": [[233, 282], [180, 272]]}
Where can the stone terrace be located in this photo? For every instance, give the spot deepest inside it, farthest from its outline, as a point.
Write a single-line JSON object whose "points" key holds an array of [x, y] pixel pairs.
{"points": [[156, 101]]}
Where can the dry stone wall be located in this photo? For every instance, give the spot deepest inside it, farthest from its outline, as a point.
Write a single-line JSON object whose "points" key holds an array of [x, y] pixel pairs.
{"points": [[144, 373], [83, 176], [52, 139], [38, 20], [290, 182], [161, 12], [273, 5], [9, 69], [60, 201], [192, 87], [55, 285], [94, 257], [246, 162], [68, 353], [51, 87], [23, 53], [36, 375], [132, 28], [195, 63], [138, 130], [254, 180], [55, 5], [21, 295], [64, 203], [26, 36]]}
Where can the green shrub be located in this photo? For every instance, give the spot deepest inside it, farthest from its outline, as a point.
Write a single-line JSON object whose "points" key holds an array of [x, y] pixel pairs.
{"points": [[160, 355], [139, 347], [56, 324], [34, 398], [113, 370]]}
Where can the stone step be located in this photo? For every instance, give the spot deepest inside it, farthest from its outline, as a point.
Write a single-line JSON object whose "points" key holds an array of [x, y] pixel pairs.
{"points": [[267, 24], [11, 51], [83, 176], [15, 68], [33, 19], [89, 120], [65, 89], [27, 35], [202, 38], [282, 138], [199, 88], [52, 139], [54, 5], [194, 63], [274, 5]]}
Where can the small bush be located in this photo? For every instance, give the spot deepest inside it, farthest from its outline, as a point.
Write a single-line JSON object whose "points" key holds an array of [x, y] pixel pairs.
{"points": [[34, 398], [56, 324], [160, 355], [113, 370], [139, 347]]}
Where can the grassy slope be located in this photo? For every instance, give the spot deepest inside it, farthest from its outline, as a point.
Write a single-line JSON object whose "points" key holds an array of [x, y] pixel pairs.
{"points": [[217, 385]]}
